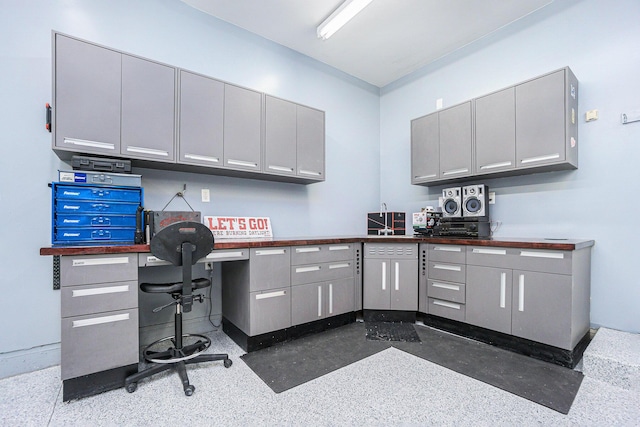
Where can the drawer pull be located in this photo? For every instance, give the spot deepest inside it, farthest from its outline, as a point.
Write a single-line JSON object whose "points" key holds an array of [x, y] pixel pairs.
{"points": [[100, 320], [218, 255], [384, 276], [319, 300], [433, 175], [503, 289], [552, 255], [151, 151], [339, 248], [202, 158], [455, 171], [447, 248], [307, 269], [271, 252], [280, 168], [85, 262], [540, 158], [447, 304], [306, 250], [447, 267], [242, 163], [271, 295], [521, 293], [330, 298], [343, 265], [99, 291], [92, 144], [307, 172], [489, 251], [397, 276], [445, 286]]}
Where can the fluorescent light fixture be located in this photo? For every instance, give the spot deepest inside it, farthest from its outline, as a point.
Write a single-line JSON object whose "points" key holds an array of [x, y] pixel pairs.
{"points": [[341, 16]]}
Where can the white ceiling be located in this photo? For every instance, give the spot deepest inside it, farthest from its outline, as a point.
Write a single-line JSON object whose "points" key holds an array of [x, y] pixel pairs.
{"points": [[387, 40]]}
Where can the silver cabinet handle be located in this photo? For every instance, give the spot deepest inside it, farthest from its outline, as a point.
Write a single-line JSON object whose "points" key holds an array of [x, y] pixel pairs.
{"points": [[455, 171], [85, 262], [280, 168], [397, 276], [305, 250], [319, 300], [503, 289], [521, 293], [447, 248], [91, 144], [264, 252], [489, 251], [99, 291], [447, 304], [540, 158], [446, 286], [100, 320], [339, 248], [242, 163], [202, 158], [433, 175], [343, 265], [218, 255], [330, 298], [151, 151], [447, 267], [307, 269], [271, 295], [532, 254], [495, 165], [308, 172], [384, 275]]}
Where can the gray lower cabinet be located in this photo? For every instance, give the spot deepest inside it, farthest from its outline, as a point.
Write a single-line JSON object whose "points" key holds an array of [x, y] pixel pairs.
{"points": [[86, 97], [539, 295], [242, 129], [99, 306], [200, 130], [390, 279], [256, 294], [446, 284], [323, 279]]}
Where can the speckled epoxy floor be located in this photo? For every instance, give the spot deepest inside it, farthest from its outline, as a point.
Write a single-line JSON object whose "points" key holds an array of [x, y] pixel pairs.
{"points": [[389, 388]]}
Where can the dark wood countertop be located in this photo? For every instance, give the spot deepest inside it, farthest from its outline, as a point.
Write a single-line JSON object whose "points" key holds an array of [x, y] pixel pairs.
{"points": [[505, 242]]}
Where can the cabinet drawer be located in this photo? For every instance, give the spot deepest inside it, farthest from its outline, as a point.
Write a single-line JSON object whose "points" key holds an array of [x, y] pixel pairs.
{"points": [[447, 253], [270, 268], [447, 309], [321, 272], [454, 292], [542, 260], [321, 253], [491, 257], [88, 299], [87, 344], [88, 269], [269, 311], [447, 272], [81, 192]]}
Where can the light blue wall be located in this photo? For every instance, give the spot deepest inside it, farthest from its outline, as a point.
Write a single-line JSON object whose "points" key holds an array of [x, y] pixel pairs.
{"points": [[600, 41], [172, 32]]}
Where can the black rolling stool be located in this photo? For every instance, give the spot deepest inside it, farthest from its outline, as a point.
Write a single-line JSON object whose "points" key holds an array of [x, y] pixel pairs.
{"points": [[182, 244]]}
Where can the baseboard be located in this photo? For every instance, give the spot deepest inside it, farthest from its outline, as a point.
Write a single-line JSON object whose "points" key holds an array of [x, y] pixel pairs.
{"points": [[29, 360]]}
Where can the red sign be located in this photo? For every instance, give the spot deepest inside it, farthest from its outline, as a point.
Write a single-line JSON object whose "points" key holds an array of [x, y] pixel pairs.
{"points": [[234, 227]]}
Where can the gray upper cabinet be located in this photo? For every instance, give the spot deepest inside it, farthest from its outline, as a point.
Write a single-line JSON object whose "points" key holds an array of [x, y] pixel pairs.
{"points": [[86, 98], [455, 141], [242, 129], [148, 109], [310, 138], [425, 156], [280, 136], [495, 123], [201, 120], [526, 128], [546, 129]]}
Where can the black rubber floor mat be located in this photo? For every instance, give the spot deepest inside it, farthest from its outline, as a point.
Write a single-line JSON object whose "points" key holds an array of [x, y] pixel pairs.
{"points": [[292, 363], [391, 331]]}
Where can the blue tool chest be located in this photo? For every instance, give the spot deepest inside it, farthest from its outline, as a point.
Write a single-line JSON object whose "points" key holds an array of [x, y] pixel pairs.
{"points": [[89, 214]]}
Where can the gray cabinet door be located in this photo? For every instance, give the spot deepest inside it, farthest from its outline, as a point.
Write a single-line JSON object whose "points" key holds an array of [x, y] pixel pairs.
{"points": [[541, 309], [540, 120], [87, 97], [425, 149], [310, 143], [148, 110], [269, 311], [280, 136], [201, 120], [495, 126], [306, 303], [376, 290], [404, 284], [455, 141], [242, 128], [489, 297], [340, 297]]}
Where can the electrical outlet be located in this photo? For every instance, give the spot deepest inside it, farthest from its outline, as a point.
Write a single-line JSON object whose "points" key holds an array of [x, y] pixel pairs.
{"points": [[205, 195], [492, 197], [208, 266]]}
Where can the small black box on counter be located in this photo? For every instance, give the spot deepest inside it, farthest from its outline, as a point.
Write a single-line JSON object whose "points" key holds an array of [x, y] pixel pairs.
{"points": [[157, 220], [395, 223]]}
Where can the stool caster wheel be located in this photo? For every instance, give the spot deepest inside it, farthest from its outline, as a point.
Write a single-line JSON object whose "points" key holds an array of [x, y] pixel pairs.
{"points": [[131, 387], [227, 363], [188, 391]]}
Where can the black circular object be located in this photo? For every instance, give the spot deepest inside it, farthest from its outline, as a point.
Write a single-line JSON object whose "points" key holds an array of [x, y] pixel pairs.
{"points": [[451, 206], [473, 205], [167, 243]]}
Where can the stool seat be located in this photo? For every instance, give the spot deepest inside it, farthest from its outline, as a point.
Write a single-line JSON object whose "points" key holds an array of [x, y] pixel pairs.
{"points": [[172, 288]]}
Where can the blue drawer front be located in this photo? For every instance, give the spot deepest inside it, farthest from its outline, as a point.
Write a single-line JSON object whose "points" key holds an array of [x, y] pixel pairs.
{"points": [[93, 235], [86, 207], [80, 192], [95, 221]]}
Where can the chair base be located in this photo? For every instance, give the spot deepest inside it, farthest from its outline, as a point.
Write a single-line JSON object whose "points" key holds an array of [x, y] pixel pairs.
{"points": [[175, 358]]}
